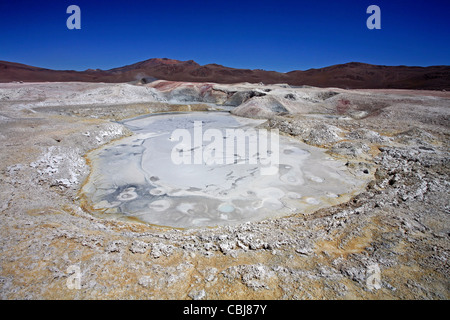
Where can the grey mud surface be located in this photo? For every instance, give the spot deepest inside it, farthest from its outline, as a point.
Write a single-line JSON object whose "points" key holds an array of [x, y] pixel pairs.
{"points": [[399, 224], [136, 177]]}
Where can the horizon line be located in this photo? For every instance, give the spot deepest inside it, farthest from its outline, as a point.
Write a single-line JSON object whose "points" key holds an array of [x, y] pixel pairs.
{"points": [[202, 65]]}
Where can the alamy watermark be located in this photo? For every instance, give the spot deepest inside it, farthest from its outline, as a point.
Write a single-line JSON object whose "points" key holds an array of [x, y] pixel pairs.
{"points": [[74, 279], [74, 20], [374, 21], [231, 146], [373, 280]]}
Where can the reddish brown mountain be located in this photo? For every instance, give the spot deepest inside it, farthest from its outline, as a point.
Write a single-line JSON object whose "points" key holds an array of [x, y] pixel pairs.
{"points": [[350, 75]]}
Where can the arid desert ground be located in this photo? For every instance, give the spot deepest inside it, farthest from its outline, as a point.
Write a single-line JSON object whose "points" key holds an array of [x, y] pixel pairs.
{"points": [[389, 240]]}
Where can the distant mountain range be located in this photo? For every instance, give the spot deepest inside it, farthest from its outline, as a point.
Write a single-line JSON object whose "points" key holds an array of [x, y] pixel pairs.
{"points": [[353, 75]]}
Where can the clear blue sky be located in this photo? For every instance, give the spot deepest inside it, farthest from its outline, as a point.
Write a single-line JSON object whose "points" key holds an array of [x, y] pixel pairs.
{"points": [[271, 35]]}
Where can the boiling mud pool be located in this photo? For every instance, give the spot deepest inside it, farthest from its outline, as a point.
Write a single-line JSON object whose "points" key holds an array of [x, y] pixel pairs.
{"points": [[174, 171]]}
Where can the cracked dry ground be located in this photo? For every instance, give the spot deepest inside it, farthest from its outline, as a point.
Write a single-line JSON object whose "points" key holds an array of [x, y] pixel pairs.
{"points": [[399, 222]]}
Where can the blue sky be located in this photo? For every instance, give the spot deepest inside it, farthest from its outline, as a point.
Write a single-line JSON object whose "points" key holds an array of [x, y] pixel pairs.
{"points": [[271, 35]]}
